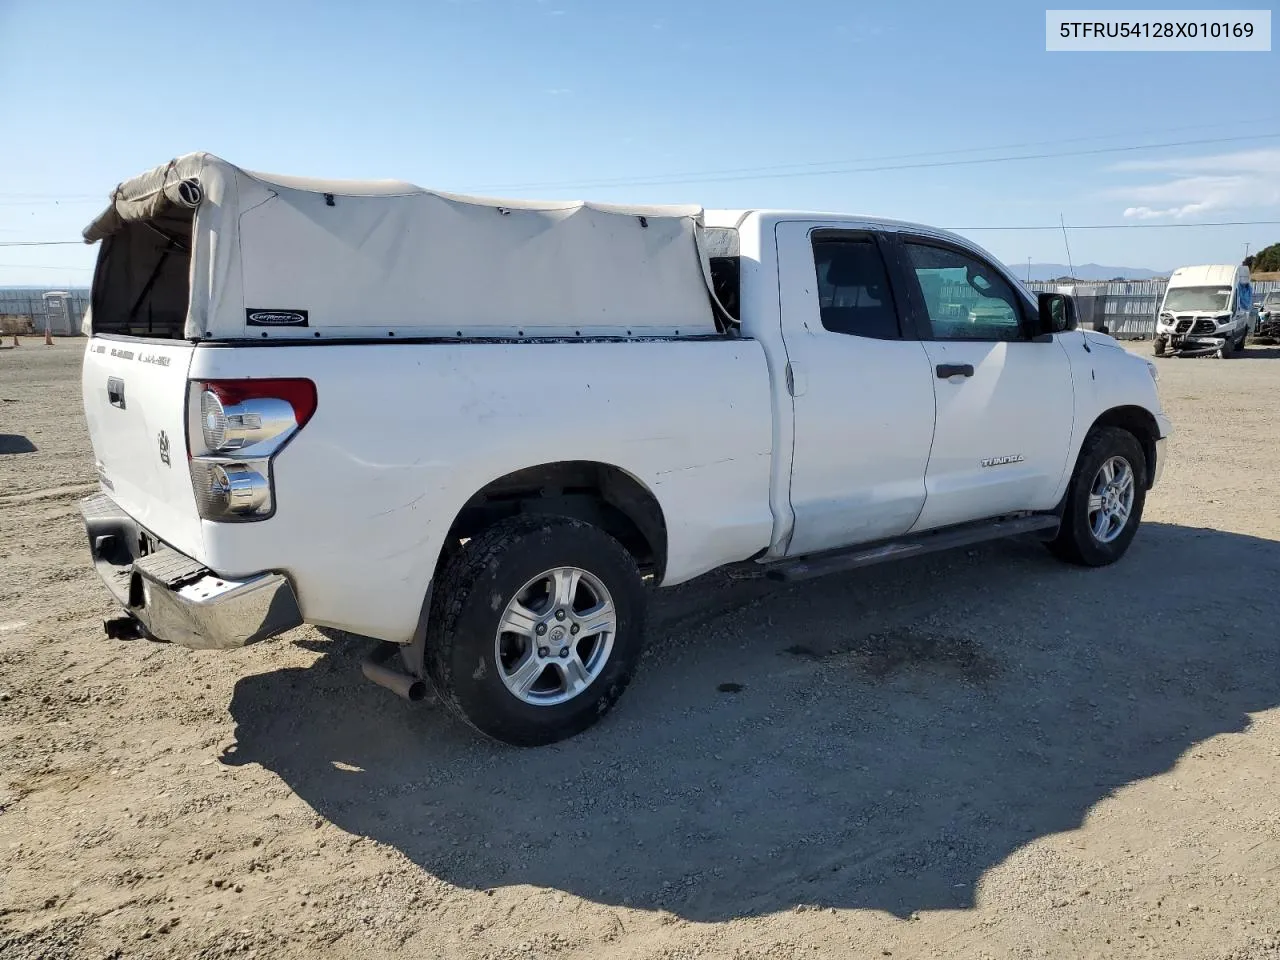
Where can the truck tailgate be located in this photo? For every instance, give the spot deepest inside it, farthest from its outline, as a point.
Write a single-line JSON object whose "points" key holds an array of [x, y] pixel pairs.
{"points": [[135, 401]]}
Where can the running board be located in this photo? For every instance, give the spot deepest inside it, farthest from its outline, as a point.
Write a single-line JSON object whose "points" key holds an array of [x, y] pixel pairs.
{"points": [[821, 564]]}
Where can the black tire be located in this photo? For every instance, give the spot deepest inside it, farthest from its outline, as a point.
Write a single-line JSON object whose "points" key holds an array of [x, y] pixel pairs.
{"points": [[1159, 346], [468, 603], [1075, 542]]}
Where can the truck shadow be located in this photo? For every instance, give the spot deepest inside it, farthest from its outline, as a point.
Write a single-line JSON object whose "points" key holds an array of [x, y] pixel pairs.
{"points": [[873, 740], [1259, 352], [15, 443]]}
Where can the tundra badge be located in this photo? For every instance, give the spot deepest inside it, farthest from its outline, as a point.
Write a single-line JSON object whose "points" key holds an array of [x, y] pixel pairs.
{"points": [[164, 448], [1001, 461]]}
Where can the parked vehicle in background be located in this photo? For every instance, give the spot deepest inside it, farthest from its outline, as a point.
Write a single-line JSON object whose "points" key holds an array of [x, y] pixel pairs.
{"points": [[475, 430], [1268, 325], [1206, 310]]}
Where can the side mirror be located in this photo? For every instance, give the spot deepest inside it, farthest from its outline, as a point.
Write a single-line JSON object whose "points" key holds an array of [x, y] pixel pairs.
{"points": [[1057, 314]]}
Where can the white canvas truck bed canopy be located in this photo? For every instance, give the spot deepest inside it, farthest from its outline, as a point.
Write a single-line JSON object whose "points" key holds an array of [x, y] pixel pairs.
{"points": [[204, 249]]}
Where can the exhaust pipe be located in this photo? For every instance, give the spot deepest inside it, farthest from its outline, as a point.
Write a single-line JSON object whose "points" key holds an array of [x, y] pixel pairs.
{"points": [[123, 628], [397, 681]]}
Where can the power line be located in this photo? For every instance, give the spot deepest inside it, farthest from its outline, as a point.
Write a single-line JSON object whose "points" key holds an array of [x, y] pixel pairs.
{"points": [[63, 201], [1130, 226], [1010, 227], [74, 196], [623, 181], [806, 169], [41, 243], [43, 266], [715, 177]]}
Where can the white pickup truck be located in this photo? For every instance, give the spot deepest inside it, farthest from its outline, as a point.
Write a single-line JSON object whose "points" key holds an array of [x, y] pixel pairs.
{"points": [[476, 430]]}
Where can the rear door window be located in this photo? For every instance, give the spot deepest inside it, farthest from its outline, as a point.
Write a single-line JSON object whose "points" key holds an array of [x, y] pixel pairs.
{"points": [[854, 296]]}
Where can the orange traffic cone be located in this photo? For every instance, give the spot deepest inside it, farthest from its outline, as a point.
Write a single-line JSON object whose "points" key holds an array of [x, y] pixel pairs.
{"points": [[48, 337]]}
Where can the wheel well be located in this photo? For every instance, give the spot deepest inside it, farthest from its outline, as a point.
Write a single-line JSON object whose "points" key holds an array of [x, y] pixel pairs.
{"points": [[595, 493], [1139, 422]]}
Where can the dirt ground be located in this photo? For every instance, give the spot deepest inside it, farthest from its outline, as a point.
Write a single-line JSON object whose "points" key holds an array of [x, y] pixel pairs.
{"points": [[980, 754]]}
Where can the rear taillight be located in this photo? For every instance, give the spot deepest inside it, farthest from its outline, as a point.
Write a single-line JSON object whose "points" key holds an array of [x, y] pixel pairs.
{"points": [[243, 414], [235, 429]]}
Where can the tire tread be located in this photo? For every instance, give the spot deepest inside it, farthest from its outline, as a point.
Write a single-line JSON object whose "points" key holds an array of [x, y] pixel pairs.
{"points": [[452, 592], [1074, 544]]}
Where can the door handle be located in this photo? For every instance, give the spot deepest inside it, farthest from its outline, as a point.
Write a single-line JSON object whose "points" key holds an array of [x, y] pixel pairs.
{"points": [[115, 392], [948, 370], [797, 383]]}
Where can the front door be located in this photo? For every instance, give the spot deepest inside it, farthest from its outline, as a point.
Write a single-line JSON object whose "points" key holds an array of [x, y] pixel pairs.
{"points": [[863, 394], [1005, 402]]}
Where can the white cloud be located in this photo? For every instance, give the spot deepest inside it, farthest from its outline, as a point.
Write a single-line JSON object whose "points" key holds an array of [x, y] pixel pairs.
{"points": [[1244, 182], [1265, 159]]}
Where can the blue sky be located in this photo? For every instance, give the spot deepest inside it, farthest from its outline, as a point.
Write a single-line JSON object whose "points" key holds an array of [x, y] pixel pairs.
{"points": [[588, 99]]}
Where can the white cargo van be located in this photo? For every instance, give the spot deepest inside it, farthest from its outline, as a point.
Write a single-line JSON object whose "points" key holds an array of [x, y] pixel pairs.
{"points": [[1206, 309]]}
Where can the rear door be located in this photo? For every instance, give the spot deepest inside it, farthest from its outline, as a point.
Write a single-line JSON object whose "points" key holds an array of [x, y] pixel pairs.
{"points": [[863, 394], [135, 402]]}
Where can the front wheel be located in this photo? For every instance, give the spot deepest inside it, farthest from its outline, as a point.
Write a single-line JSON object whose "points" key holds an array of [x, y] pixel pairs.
{"points": [[1159, 345], [1104, 501], [537, 626]]}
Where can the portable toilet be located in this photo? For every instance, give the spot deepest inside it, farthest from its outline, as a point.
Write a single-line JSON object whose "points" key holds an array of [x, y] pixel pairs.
{"points": [[57, 313]]}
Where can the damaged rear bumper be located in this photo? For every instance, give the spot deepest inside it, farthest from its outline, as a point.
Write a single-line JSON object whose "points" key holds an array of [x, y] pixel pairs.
{"points": [[177, 599]]}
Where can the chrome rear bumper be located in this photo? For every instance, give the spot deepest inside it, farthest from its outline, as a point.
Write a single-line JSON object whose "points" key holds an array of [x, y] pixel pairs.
{"points": [[177, 599]]}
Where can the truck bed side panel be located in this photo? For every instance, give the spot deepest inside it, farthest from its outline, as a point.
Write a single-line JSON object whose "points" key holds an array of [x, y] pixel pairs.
{"points": [[405, 434]]}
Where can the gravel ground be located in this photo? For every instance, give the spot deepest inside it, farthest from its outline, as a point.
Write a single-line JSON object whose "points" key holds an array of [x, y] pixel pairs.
{"points": [[980, 754]]}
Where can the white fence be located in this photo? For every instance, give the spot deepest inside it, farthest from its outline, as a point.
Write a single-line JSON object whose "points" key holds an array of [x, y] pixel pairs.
{"points": [[1127, 308]]}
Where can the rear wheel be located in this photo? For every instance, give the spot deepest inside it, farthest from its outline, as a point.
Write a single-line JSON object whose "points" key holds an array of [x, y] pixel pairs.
{"points": [[536, 628], [1104, 501]]}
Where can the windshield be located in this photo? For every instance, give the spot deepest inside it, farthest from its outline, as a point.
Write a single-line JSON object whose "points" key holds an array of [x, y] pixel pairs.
{"points": [[1273, 300], [1197, 298]]}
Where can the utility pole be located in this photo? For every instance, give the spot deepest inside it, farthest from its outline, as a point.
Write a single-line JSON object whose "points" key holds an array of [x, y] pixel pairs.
{"points": [[1028, 269]]}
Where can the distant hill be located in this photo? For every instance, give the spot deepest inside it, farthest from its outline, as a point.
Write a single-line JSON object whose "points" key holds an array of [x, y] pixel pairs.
{"points": [[1083, 271]]}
